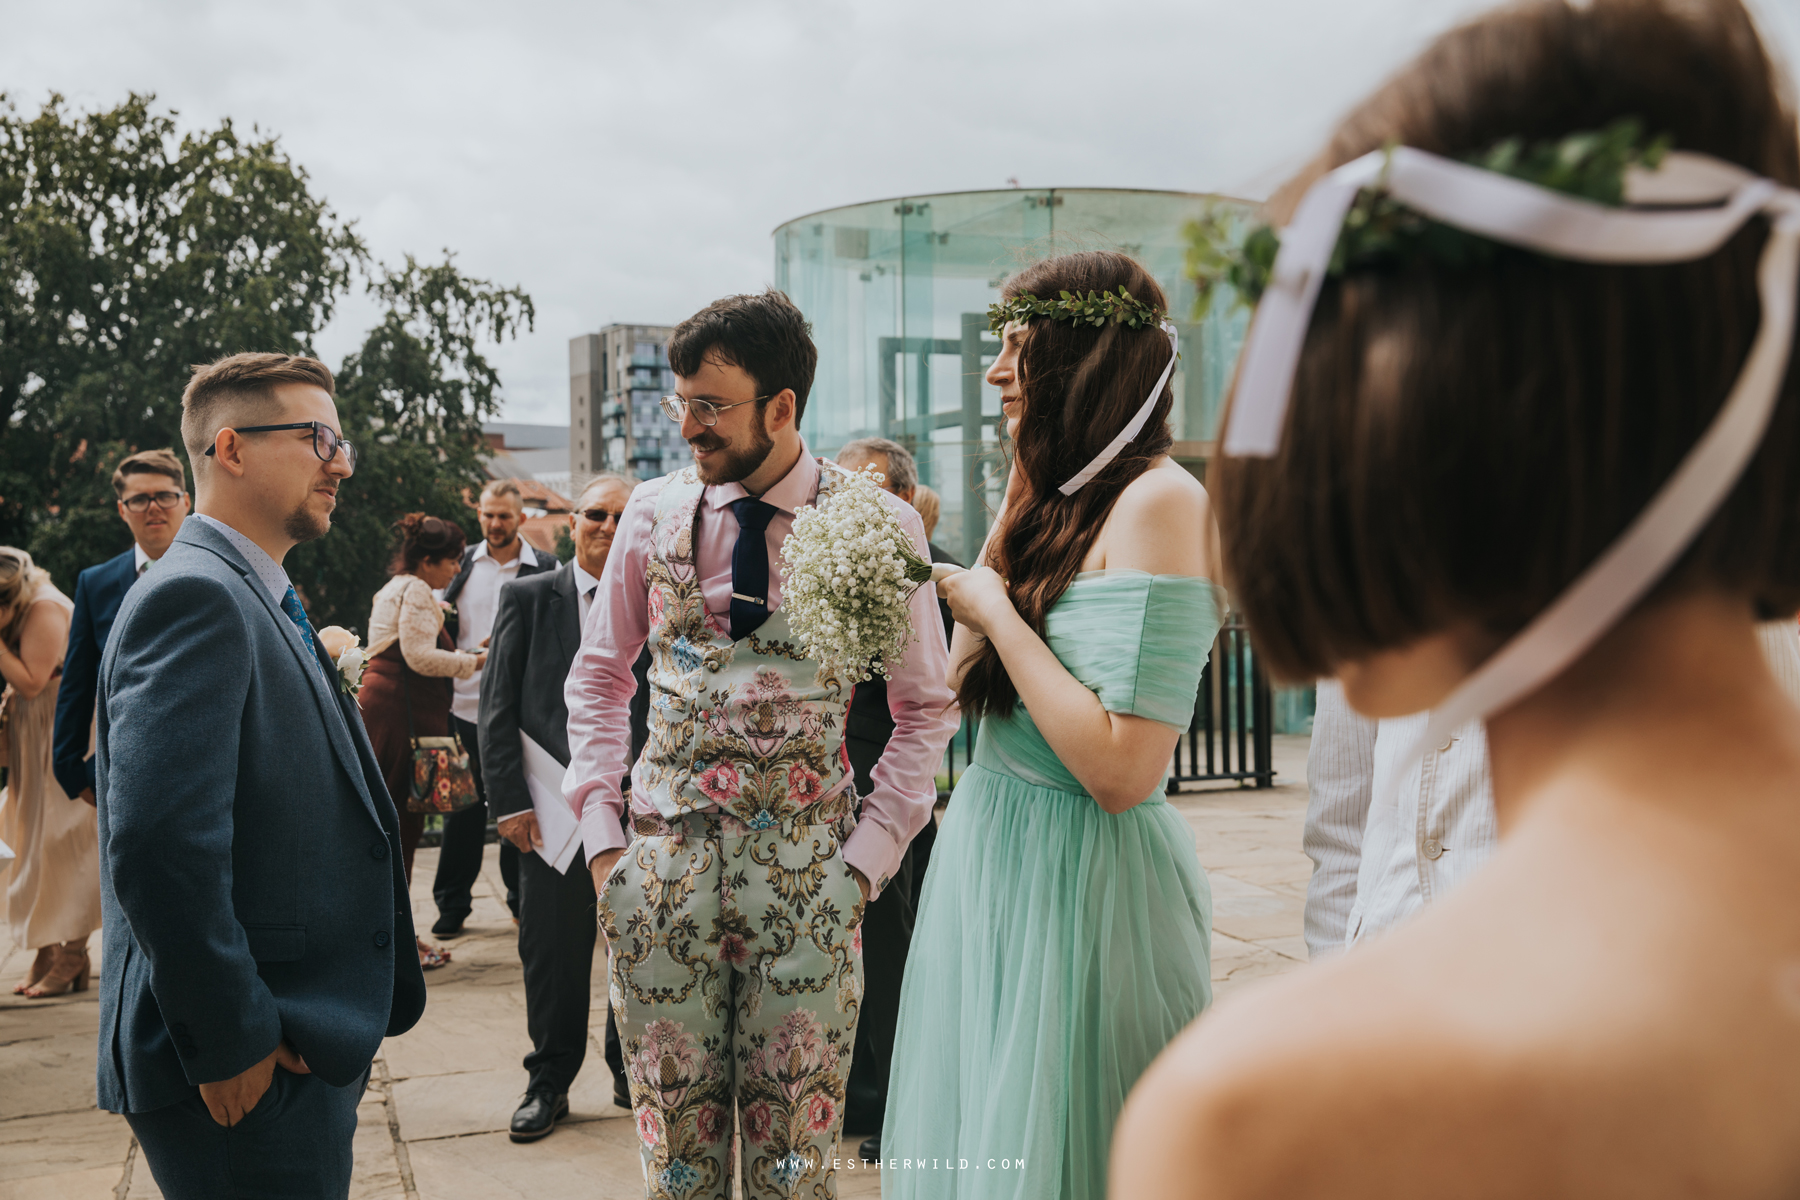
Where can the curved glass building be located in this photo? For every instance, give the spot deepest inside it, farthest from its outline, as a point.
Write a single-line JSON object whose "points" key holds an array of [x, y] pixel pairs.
{"points": [[898, 290]]}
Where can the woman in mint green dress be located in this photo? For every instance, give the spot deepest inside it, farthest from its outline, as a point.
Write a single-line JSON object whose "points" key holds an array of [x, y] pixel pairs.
{"points": [[1062, 938]]}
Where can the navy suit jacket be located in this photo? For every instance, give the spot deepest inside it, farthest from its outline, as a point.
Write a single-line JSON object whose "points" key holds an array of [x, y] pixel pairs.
{"points": [[98, 593], [250, 871]]}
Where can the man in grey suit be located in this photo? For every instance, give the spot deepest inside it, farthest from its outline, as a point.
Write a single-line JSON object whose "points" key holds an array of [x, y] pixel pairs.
{"points": [[258, 934], [536, 633]]}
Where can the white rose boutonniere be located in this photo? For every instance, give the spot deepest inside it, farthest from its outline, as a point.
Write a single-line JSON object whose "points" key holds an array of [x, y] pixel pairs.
{"points": [[345, 649]]}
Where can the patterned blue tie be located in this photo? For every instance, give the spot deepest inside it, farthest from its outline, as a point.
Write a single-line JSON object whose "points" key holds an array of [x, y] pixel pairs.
{"points": [[750, 567], [290, 604]]}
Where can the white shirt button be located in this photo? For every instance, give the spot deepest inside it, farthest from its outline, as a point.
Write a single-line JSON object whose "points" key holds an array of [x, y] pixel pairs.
{"points": [[1432, 848]]}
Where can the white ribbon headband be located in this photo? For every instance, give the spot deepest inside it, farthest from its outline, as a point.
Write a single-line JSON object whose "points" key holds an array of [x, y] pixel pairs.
{"points": [[1508, 210], [1132, 427]]}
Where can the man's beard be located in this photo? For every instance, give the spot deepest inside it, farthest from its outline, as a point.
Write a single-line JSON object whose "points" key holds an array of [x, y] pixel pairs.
{"points": [[735, 464], [504, 542], [304, 525]]}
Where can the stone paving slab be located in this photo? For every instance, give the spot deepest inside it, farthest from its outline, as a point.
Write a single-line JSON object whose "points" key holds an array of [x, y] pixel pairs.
{"points": [[432, 1126], [97, 1183], [61, 1144]]}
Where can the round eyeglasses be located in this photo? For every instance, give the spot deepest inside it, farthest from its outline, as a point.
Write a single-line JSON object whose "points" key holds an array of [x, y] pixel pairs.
{"points": [[705, 411], [325, 439]]}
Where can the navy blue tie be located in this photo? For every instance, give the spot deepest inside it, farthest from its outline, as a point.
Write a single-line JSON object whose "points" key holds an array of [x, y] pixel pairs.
{"points": [[750, 567], [290, 604]]}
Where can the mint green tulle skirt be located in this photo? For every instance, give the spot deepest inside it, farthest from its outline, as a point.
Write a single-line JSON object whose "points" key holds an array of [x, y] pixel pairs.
{"points": [[1058, 949]]}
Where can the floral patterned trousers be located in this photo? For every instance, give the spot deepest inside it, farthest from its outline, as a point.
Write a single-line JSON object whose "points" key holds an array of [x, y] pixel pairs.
{"points": [[735, 974]]}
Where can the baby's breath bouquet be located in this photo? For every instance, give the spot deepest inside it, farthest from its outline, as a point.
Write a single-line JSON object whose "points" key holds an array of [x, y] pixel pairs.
{"points": [[847, 573]]}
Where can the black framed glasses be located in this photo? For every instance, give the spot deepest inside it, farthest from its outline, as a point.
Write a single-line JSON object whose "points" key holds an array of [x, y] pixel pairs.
{"points": [[705, 411], [143, 500], [325, 439], [600, 516]]}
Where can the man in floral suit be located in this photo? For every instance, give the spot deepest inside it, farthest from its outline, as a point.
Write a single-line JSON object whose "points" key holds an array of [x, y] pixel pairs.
{"points": [[732, 918]]}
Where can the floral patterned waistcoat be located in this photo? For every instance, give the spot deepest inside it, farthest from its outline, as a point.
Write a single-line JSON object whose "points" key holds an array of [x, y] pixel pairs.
{"points": [[748, 727]]}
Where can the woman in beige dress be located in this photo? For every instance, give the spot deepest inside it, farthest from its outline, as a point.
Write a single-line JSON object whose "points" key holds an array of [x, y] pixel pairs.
{"points": [[53, 886]]}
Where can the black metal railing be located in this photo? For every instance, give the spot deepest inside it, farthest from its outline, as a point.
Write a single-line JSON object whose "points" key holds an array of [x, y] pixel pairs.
{"points": [[1229, 739]]}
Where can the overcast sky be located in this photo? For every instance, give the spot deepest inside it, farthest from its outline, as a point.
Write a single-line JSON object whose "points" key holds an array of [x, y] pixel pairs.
{"points": [[627, 162]]}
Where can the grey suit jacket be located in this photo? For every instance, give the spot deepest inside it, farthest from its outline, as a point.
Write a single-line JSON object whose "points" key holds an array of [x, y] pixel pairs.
{"points": [[250, 870], [536, 633]]}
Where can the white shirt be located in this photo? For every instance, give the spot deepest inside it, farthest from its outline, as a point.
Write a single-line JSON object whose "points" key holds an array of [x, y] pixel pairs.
{"points": [[1381, 852], [1781, 646], [1377, 861], [584, 590], [476, 606], [140, 559], [261, 565]]}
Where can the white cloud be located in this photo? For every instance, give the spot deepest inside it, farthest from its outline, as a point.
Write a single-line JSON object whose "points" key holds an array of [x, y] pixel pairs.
{"points": [[627, 162]]}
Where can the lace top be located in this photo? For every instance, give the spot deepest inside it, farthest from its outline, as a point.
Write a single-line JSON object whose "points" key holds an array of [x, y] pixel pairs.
{"points": [[405, 609]]}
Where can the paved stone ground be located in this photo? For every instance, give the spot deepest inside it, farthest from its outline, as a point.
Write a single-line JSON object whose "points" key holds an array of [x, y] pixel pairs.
{"points": [[432, 1126]]}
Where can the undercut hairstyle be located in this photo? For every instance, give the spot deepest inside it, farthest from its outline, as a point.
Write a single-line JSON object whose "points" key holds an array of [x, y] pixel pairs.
{"points": [[425, 537], [1081, 385], [503, 487], [902, 468], [766, 336], [236, 390], [1462, 442], [149, 462]]}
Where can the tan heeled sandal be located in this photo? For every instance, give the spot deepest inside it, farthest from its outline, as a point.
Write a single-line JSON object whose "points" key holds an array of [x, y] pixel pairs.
{"points": [[71, 973], [40, 966]]}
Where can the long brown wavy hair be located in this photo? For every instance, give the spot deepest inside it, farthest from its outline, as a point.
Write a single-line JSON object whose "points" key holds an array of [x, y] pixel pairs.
{"points": [[1080, 385]]}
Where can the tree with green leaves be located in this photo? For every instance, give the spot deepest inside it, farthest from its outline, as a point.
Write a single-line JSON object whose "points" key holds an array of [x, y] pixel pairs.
{"points": [[417, 393], [130, 251]]}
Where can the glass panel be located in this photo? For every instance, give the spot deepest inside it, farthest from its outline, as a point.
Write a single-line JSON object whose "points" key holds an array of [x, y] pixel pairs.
{"points": [[897, 292]]}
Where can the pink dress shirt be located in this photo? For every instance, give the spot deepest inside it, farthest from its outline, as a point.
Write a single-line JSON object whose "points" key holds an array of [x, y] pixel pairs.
{"points": [[600, 684]]}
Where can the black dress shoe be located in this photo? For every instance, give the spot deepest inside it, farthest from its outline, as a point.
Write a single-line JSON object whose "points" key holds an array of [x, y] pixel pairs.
{"points": [[870, 1150], [538, 1115], [448, 926], [621, 1092]]}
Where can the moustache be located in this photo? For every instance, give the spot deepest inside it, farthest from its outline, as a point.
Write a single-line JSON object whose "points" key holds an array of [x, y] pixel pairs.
{"points": [[707, 441]]}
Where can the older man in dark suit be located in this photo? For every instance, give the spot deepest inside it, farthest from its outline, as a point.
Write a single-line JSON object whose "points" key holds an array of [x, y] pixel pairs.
{"points": [[151, 487], [536, 633], [258, 934]]}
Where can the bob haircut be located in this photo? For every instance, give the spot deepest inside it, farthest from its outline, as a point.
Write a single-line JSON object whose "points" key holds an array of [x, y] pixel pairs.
{"points": [[1080, 386], [1462, 442]]}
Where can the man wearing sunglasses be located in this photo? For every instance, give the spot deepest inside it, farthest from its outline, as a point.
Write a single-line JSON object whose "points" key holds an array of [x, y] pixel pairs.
{"points": [[151, 487], [258, 931]]}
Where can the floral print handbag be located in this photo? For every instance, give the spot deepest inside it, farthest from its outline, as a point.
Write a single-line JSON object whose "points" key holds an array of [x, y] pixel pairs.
{"points": [[441, 779]]}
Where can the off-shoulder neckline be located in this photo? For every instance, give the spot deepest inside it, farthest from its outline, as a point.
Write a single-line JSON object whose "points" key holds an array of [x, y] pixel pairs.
{"points": [[1090, 576]]}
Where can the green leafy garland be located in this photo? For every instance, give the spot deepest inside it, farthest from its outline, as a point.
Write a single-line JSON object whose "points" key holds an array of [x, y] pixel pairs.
{"points": [[1095, 308], [1379, 230]]}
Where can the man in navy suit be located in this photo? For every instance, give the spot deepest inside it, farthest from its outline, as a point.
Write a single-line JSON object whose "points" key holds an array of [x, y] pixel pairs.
{"points": [[152, 490], [258, 935]]}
